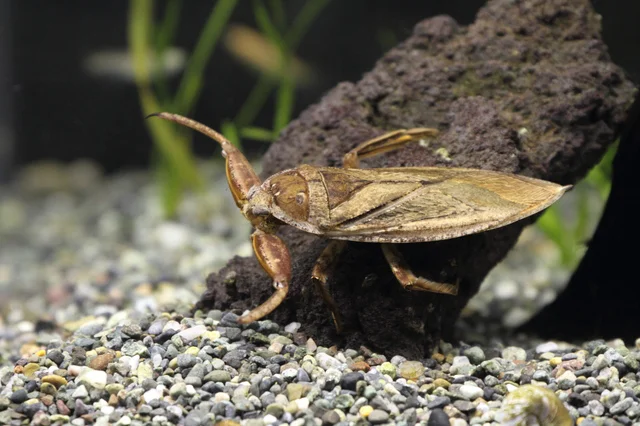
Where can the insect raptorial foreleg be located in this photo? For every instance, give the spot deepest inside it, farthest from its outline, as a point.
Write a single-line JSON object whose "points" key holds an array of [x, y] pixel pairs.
{"points": [[385, 143], [274, 258], [407, 278], [324, 264]]}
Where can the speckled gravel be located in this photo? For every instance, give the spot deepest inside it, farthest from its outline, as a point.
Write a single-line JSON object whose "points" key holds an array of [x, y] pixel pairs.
{"points": [[99, 331]]}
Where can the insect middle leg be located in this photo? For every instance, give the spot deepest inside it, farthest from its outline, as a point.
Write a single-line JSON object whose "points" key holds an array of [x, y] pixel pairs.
{"points": [[407, 278], [323, 266], [385, 143]]}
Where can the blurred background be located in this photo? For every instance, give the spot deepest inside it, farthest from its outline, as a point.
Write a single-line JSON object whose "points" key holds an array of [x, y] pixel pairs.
{"points": [[68, 89], [77, 78]]}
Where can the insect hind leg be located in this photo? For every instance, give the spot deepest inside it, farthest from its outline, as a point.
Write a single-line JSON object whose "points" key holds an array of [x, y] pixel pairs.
{"points": [[319, 275], [387, 142], [407, 278]]}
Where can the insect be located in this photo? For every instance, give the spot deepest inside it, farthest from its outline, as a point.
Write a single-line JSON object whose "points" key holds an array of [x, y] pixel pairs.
{"points": [[384, 205]]}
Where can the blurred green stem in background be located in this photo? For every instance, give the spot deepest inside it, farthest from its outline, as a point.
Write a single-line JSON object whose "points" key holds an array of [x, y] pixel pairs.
{"points": [[176, 168], [287, 46], [556, 221]]}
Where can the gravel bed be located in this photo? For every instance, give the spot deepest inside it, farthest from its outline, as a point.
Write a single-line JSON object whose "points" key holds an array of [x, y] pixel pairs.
{"points": [[97, 328]]}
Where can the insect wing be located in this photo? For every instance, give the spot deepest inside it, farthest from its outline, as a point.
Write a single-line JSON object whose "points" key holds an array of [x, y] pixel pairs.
{"points": [[428, 204]]}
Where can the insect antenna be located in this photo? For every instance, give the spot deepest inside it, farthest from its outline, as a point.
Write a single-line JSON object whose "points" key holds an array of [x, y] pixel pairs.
{"points": [[199, 127]]}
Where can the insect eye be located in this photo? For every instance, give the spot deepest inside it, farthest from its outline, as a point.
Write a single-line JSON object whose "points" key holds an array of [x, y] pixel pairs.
{"points": [[301, 198]]}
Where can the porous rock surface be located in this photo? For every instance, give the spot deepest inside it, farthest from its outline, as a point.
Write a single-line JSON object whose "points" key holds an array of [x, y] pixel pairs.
{"points": [[528, 88]]}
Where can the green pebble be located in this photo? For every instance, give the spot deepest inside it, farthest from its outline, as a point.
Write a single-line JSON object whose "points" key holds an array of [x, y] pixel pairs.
{"points": [[388, 369], [284, 340], [297, 390], [369, 392], [192, 350], [291, 407], [177, 390], [48, 388], [411, 370], [492, 367], [344, 402], [144, 371], [259, 339], [475, 355], [132, 348], [218, 376], [276, 410], [30, 369], [113, 388], [631, 362]]}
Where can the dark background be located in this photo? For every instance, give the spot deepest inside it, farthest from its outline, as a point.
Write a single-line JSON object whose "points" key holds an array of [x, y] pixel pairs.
{"points": [[54, 110]]}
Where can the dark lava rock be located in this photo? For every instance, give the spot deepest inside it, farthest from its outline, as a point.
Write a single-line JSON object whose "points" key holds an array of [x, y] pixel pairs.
{"points": [[528, 88]]}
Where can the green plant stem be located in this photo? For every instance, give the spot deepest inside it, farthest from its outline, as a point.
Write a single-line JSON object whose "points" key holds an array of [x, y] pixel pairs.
{"points": [[278, 13], [265, 84], [191, 83], [174, 151], [230, 131], [164, 37], [257, 134]]}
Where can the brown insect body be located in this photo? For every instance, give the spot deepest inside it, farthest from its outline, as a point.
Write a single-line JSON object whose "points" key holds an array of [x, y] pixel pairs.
{"points": [[389, 205], [400, 205]]}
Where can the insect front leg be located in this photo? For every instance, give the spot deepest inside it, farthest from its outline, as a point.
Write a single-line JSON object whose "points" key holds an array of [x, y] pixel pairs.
{"points": [[407, 278], [273, 255], [324, 264], [385, 143]]}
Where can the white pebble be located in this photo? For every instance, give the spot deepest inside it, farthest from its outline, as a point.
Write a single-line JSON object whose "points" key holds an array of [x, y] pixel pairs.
{"points": [[151, 394], [75, 370], [107, 409], [547, 347], [221, 396], [124, 421], [171, 325], [506, 289], [80, 392], [268, 419], [172, 236], [327, 361], [471, 392], [292, 327], [157, 360], [302, 403], [102, 421], [192, 333], [94, 378]]}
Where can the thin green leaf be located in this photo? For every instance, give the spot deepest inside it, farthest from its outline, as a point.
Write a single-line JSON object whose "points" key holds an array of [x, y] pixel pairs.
{"points": [[191, 83], [265, 24], [171, 189], [583, 215], [302, 22], [279, 14], [163, 39], [255, 101], [172, 149], [265, 84], [230, 131], [284, 104], [257, 134], [552, 225]]}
